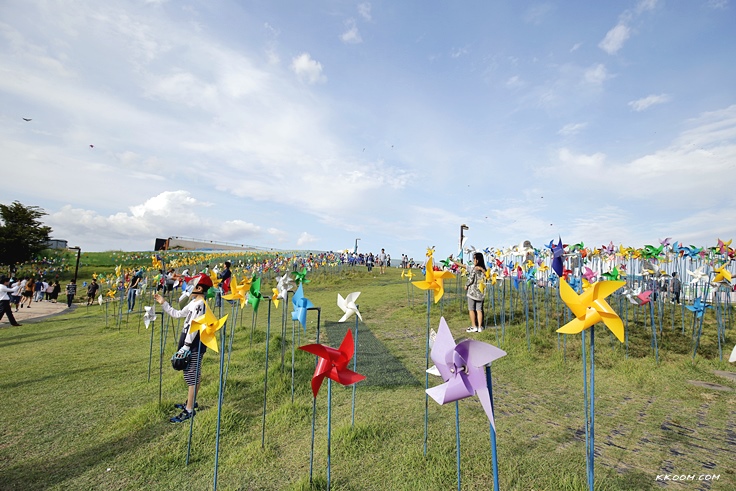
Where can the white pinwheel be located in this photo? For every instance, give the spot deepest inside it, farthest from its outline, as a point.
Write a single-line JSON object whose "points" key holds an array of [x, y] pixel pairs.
{"points": [[698, 275], [285, 284], [149, 316], [348, 306]]}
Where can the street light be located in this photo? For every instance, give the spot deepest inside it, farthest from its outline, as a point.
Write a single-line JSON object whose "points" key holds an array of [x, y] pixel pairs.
{"points": [[79, 253], [463, 228]]}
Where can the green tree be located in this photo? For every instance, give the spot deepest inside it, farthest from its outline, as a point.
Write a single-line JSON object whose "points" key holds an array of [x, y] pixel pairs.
{"points": [[22, 235]]}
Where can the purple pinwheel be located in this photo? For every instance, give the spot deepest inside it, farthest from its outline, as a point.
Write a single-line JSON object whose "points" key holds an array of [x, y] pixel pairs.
{"points": [[558, 252], [462, 368], [301, 305]]}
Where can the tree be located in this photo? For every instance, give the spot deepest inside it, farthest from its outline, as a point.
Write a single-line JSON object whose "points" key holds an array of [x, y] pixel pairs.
{"points": [[22, 235]]}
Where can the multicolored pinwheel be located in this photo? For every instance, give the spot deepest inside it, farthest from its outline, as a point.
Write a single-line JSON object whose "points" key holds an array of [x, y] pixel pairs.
{"points": [[301, 305], [347, 305], [462, 368], [433, 281], [208, 324], [333, 363], [591, 307]]}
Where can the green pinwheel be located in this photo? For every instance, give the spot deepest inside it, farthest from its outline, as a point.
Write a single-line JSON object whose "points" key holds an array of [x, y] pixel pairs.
{"points": [[612, 275], [254, 294], [300, 277]]}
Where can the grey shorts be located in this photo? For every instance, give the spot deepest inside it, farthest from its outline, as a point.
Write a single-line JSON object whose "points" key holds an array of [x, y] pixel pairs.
{"points": [[476, 305]]}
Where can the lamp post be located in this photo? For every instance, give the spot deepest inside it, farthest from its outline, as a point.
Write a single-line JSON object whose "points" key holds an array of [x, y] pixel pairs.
{"points": [[356, 246], [463, 228], [76, 268]]}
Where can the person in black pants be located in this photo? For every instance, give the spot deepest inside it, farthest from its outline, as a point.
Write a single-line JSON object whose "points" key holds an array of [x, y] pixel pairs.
{"points": [[5, 293]]}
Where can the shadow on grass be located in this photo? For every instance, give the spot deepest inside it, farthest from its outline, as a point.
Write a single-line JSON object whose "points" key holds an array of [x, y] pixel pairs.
{"points": [[46, 473], [375, 361]]}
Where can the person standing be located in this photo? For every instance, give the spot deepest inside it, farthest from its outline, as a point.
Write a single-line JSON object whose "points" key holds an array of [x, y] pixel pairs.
{"points": [[675, 288], [5, 293], [189, 345], [476, 276], [224, 286], [55, 293], [382, 261], [135, 280], [71, 290]]}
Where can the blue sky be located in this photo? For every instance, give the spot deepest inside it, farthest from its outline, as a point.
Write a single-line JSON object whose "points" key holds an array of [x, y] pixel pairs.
{"points": [[309, 124]]}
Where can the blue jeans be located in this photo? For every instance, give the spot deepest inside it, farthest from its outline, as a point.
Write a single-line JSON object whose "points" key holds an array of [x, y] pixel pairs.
{"points": [[131, 298]]}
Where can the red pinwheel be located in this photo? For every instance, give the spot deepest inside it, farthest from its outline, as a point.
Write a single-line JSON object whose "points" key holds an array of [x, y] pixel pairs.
{"points": [[333, 363]]}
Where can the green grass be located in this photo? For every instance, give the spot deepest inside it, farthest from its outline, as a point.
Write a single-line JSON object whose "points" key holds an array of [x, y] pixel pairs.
{"points": [[80, 413]]}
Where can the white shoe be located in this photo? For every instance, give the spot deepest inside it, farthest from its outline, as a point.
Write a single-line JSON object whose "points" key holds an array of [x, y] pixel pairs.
{"points": [[471, 329]]}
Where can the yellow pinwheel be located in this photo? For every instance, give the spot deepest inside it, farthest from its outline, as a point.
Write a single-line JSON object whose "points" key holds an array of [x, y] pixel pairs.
{"points": [[722, 275], [430, 252], [543, 268], [237, 291], [591, 307], [275, 297], [118, 270], [208, 325], [433, 281], [406, 273]]}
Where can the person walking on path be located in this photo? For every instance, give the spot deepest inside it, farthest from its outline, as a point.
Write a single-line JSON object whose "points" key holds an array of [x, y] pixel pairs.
{"points": [[189, 345], [27, 289], [382, 261], [71, 290], [675, 287], [92, 291], [5, 293]]}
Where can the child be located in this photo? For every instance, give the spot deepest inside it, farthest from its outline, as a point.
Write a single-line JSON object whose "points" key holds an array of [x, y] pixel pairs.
{"points": [[189, 344], [476, 276]]}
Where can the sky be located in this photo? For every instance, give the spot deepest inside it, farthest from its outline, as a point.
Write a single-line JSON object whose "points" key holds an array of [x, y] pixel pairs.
{"points": [[308, 125]]}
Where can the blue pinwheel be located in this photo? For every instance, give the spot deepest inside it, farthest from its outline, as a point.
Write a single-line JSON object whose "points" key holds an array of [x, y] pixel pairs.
{"points": [[698, 307], [301, 305]]}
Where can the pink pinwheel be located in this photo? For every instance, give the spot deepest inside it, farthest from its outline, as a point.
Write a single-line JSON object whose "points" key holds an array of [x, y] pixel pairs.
{"points": [[589, 274], [644, 297], [462, 368]]}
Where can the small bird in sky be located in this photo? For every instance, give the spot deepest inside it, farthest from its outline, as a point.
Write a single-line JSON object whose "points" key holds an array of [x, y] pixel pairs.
{"points": [[26, 119], [91, 146]]}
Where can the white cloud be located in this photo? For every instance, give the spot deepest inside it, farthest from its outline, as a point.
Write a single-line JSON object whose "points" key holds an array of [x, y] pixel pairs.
{"points": [[364, 9], [458, 52], [514, 82], [571, 129], [648, 101], [537, 13], [305, 239], [351, 35], [307, 69], [596, 74], [615, 39]]}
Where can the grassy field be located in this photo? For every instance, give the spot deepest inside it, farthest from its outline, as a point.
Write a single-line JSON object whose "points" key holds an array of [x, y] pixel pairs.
{"points": [[80, 412]]}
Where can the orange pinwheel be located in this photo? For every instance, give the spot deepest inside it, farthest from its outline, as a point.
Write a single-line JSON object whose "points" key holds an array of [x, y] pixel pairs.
{"points": [[591, 307], [208, 324], [433, 281]]}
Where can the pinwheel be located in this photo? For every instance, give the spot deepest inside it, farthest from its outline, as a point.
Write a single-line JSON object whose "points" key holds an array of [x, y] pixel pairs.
{"points": [[558, 253], [589, 274], [347, 305], [644, 298], [612, 275], [254, 294], [406, 273], [698, 274], [333, 365], [692, 252], [149, 316], [430, 252], [285, 284], [461, 367], [447, 262], [698, 307], [591, 307], [651, 252], [732, 358], [723, 275], [208, 324], [301, 305], [300, 276], [237, 291], [275, 297], [666, 241], [433, 281], [723, 246]]}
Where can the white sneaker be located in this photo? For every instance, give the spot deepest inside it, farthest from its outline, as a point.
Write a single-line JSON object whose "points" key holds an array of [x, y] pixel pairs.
{"points": [[471, 329]]}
